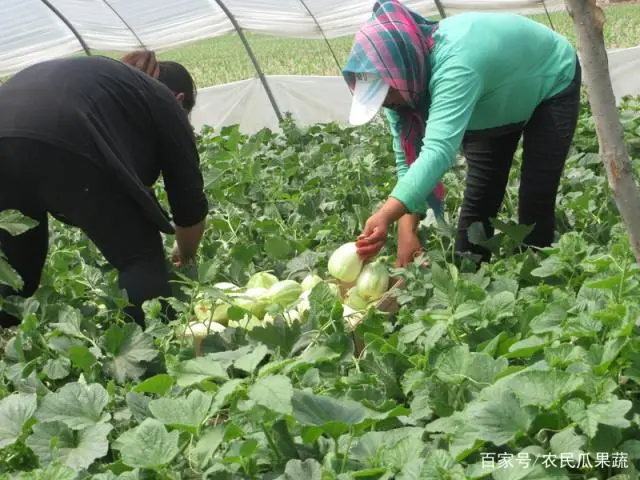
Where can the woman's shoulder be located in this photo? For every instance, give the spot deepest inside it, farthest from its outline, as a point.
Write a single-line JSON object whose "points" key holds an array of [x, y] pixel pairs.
{"points": [[483, 40]]}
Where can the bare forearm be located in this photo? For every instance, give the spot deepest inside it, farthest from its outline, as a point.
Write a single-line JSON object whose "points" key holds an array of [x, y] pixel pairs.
{"points": [[392, 210], [408, 223], [188, 240]]}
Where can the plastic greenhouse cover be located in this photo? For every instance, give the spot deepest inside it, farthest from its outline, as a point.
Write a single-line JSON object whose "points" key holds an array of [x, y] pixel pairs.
{"points": [[32, 31]]}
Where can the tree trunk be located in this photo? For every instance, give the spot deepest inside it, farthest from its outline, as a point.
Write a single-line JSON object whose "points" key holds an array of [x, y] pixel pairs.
{"points": [[589, 20]]}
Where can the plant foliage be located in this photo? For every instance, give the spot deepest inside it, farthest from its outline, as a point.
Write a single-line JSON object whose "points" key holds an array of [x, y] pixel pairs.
{"points": [[528, 368]]}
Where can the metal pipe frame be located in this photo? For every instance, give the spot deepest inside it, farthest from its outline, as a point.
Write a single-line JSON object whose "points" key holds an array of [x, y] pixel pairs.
{"points": [[126, 24], [252, 57], [64, 19], [326, 40]]}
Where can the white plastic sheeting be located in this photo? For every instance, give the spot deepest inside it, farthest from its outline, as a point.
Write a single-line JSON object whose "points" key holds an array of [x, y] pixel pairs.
{"points": [[34, 30], [31, 31], [325, 99], [309, 99]]}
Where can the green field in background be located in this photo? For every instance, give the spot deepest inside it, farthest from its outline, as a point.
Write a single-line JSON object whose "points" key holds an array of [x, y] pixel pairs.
{"points": [[223, 59]]}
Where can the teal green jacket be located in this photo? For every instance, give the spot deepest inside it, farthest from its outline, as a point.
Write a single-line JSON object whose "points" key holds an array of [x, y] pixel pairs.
{"points": [[488, 70]]}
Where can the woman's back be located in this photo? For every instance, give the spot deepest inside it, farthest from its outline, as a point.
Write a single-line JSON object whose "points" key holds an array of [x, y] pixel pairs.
{"points": [[519, 62]]}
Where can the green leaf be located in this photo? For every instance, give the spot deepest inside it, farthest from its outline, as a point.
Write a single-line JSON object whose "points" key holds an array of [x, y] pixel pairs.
{"points": [[410, 333], [208, 271], [310, 469], [183, 412], [631, 448], [439, 464], [303, 263], [273, 392], [8, 275], [16, 223], [527, 347], [128, 347], [283, 439], [567, 441], [78, 449], [549, 267], [484, 369], [607, 283], [544, 388], [138, 405], [524, 465], [549, 321], [516, 232], [391, 449], [421, 405], [452, 365], [160, 384], [277, 336], [58, 368], [15, 411], [500, 419], [69, 322], [500, 305], [250, 362], [149, 445], [248, 448], [476, 234], [76, 405], [277, 247], [202, 453], [611, 413], [226, 390], [196, 370], [55, 471], [82, 358], [310, 409]]}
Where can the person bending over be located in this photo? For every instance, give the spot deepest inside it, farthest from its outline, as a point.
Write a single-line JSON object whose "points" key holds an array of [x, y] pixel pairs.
{"points": [[85, 139], [476, 80]]}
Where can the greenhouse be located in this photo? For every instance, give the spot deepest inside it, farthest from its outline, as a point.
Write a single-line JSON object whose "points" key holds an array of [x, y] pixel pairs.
{"points": [[200, 289], [35, 30]]}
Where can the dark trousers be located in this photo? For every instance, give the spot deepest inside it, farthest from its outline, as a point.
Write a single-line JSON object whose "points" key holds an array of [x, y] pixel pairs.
{"points": [[37, 179], [547, 139]]}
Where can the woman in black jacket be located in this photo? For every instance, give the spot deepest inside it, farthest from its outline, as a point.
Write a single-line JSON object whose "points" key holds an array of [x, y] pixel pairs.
{"points": [[85, 139]]}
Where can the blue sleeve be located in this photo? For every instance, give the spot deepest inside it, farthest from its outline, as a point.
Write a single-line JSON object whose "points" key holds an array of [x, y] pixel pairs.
{"points": [[394, 126], [454, 93]]}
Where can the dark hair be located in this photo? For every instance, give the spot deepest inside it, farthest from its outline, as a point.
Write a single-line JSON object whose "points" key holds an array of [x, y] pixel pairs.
{"points": [[178, 79]]}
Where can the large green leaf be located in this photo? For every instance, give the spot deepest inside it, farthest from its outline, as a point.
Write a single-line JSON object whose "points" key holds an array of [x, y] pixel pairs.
{"points": [[16, 223], [500, 419], [310, 469], [128, 347], [8, 275], [189, 411], [148, 445], [273, 392], [544, 388], [310, 409], [76, 405], [196, 370], [15, 411], [590, 416], [78, 449]]}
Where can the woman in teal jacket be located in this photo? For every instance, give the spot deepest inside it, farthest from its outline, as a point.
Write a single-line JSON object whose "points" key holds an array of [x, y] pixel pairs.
{"points": [[476, 80]]}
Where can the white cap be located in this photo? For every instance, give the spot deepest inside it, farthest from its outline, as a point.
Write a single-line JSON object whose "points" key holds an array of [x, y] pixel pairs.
{"points": [[368, 96]]}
